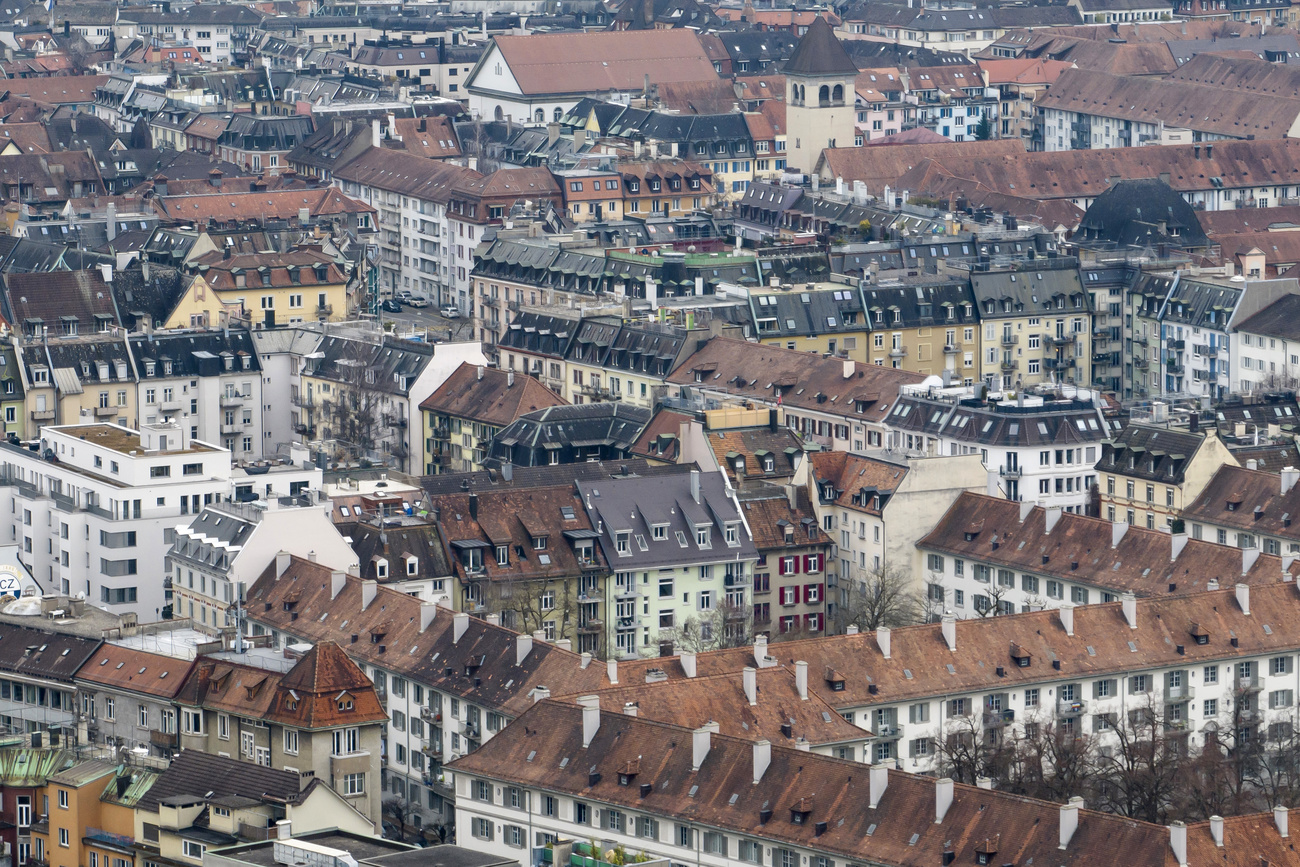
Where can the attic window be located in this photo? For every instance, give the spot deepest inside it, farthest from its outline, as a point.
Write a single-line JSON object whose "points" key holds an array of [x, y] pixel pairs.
{"points": [[345, 702], [1199, 634], [539, 543], [801, 810], [1020, 656]]}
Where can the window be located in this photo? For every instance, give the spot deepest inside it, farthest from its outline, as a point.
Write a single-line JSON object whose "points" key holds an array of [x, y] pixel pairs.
{"points": [[63, 799], [291, 741], [1210, 674], [481, 828], [193, 850], [354, 784]]}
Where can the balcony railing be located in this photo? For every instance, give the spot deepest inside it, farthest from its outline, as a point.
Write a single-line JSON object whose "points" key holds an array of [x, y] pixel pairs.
{"points": [[1074, 707]]}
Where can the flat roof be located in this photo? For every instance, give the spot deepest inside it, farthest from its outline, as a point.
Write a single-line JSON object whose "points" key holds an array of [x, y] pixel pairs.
{"points": [[120, 439], [361, 848]]}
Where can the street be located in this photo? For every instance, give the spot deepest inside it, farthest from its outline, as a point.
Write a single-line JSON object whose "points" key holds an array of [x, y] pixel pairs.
{"points": [[420, 318]]}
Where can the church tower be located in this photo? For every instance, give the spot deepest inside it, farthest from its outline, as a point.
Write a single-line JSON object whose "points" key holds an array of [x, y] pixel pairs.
{"points": [[819, 97]]}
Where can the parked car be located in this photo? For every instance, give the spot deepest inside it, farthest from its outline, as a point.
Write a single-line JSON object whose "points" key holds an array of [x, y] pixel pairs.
{"points": [[416, 301], [449, 312], [392, 305]]}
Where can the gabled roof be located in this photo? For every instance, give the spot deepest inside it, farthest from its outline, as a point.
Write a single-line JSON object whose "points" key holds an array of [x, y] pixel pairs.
{"points": [[193, 773], [819, 53], [132, 670], [1158, 453], [490, 395], [601, 61], [1279, 319]]}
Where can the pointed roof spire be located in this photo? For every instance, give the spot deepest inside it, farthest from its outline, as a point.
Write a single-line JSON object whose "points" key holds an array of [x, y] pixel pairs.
{"points": [[819, 52]]}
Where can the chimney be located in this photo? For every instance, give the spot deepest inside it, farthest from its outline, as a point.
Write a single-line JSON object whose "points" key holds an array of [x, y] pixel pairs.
{"points": [[687, 659], [1026, 509], [493, 619], [428, 611], [802, 745], [942, 798], [1069, 820], [541, 693], [985, 783], [376, 137], [1050, 517], [700, 739], [282, 561], [1129, 603], [878, 778], [1178, 842], [1212, 584], [882, 639], [283, 829], [760, 651], [949, 627], [749, 679], [630, 708], [1279, 819], [1253, 464], [585, 660], [590, 719], [1179, 543], [1066, 612], [762, 758], [801, 679], [111, 211], [460, 623], [337, 582], [523, 647], [611, 667], [1248, 558], [695, 485], [480, 371], [1216, 830], [510, 379], [851, 629], [1117, 531], [849, 368], [1243, 598], [1290, 475]]}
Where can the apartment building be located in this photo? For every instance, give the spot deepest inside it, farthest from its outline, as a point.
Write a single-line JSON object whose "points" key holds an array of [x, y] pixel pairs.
{"points": [[444, 699], [1265, 347], [94, 507], [628, 783], [404, 551], [320, 718], [687, 531], [929, 328], [128, 697], [471, 407], [811, 317], [216, 556], [1019, 557], [1148, 474], [795, 550], [615, 359], [275, 289], [210, 382], [38, 690], [1248, 508], [1194, 321], [1043, 446], [1037, 322], [837, 403], [76, 380], [876, 507]]}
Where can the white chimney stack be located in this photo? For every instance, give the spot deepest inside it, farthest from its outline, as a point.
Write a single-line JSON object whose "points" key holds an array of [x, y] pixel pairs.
{"points": [[1248, 558], [630, 708], [949, 627], [590, 719], [1069, 820], [541, 693], [611, 668], [1290, 475], [369, 589], [1216, 830], [1179, 541], [762, 758], [700, 739], [801, 679], [1280, 819], [283, 829], [687, 659], [428, 611], [1050, 517], [1178, 842], [942, 799], [882, 639], [1129, 603], [851, 629], [338, 581], [1117, 531], [1243, 598], [459, 624], [1066, 611], [749, 678], [878, 776], [523, 647], [984, 783]]}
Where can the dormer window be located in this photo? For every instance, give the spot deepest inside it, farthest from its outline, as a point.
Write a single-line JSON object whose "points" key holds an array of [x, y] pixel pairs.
{"points": [[623, 542], [167, 368], [148, 368], [702, 537], [733, 535], [828, 492], [345, 702], [539, 543], [503, 555], [381, 568], [412, 566], [659, 532]]}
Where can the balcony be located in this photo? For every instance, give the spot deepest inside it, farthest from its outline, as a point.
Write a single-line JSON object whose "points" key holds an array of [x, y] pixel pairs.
{"points": [[1176, 345], [624, 624], [235, 428], [231, 400], [1246, 683], [164, 740], [42, 415], [170, 406], [440, 433], [1179, 694], [590, 625], [1071, 708], [1010, 339], [998, 718], [1009, 472], [628, 592], [898, 352], [1199, 349], [395, 420], [888, 731], [1058, 363], [108, 411], [951, 348], [304, 430], [1141, 363], [428, 714], [306, 402], [1063, 339], [1140, 340], [1008, 366], [431, 746], [441, 783], [1174, 367], [325, 310], [599, 392]]}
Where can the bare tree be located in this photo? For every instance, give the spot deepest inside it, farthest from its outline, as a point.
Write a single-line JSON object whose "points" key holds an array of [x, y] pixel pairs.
{"points": [[1141, 775], [724, 626], [356, 414], [882, 596], [527, 604], [399, 811]]}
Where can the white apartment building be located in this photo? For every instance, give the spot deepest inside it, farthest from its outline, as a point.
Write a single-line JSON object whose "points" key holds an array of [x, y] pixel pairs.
{"points": [[220, 553], [207, 381], [93, 509]]}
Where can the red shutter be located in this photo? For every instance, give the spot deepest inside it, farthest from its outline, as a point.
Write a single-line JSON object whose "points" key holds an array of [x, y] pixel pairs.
{"points": [[796, 594], [780, 566]]}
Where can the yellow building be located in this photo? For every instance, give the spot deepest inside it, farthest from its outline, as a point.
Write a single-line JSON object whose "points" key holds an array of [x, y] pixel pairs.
{"points": [[1149, 473], [300, 285], [467, 410], [75, 380], [12, 406], [200, 307], [924, 328], [73, 827], [1037, 325], [812, 317]]}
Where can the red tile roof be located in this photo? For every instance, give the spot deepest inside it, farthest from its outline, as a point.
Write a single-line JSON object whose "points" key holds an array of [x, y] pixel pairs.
{"points": [[590, 62]]}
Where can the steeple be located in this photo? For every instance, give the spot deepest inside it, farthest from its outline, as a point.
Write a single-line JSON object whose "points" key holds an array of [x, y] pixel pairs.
{"points": [[819, 52]]}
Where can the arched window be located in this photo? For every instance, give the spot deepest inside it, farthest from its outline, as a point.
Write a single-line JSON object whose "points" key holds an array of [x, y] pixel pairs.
{"points": [[559, 113], [801, 95], [539, 116], [498, 113], [824, 96], [837, 95]]}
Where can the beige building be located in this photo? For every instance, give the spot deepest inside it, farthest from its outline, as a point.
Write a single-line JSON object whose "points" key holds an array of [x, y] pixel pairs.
{"points": [[1037, 322], [1149, 474], [820, 108]]}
